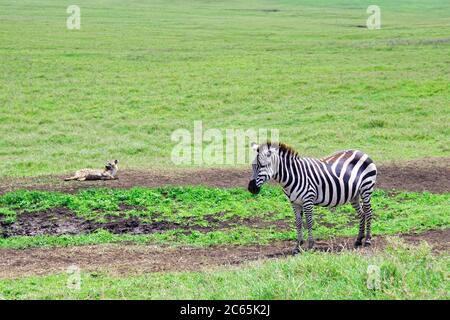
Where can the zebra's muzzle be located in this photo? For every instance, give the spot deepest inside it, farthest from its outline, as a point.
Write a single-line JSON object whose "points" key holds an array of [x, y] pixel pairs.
{"points": [[253, 188]]}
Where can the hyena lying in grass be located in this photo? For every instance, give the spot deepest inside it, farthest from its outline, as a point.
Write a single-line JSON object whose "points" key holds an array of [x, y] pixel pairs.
{"points": [[109, 173]]}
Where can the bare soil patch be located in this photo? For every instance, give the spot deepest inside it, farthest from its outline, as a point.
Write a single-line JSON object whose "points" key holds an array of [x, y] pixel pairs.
{"points": [[62, 221], [127, 259], [431, 175]]}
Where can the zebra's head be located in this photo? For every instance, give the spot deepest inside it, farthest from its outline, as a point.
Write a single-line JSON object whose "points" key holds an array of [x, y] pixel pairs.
{"points": [[264, 166]]}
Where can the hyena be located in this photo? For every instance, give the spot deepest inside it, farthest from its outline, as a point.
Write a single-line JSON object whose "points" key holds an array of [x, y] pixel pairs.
{"points": [[108, 173]]}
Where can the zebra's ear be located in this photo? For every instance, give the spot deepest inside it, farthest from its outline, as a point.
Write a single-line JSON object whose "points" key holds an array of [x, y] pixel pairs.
{"points": [[255, 146]]}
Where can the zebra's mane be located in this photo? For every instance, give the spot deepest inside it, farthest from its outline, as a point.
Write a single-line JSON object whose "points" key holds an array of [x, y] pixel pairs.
{"points": [[283, 147]]}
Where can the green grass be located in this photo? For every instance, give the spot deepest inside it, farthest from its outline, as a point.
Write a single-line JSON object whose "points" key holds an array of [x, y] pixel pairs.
{"points": [[226, 212], [138, 70], [405, 273]]}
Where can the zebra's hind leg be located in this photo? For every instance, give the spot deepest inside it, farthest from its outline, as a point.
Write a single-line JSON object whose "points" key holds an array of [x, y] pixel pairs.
{"points": [[362, 221], [299, 224], [368, 213], [308, 208]]}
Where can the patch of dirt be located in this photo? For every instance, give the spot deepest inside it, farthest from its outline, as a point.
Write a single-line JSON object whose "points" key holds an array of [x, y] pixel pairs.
{"points": [[431, 174], [62, 221], [439, 240], [257, 10], [59, 221], [51, 221], [127, 207], [270, 10], [221, 178], [252, 222], [127, 259]]}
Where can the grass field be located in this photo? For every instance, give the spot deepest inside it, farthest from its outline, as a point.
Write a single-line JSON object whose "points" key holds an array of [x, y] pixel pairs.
{"points": [[136, 71]]}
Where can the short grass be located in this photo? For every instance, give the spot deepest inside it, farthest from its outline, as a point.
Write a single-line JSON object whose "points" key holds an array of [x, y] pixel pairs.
{"points": [[138, 70], [226, 213], [405, 273]]}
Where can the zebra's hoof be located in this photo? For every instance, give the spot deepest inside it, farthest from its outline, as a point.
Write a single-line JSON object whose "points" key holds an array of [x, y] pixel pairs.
{"points": [[358, 243], [310, 244], [367, 243], [296, 251]]}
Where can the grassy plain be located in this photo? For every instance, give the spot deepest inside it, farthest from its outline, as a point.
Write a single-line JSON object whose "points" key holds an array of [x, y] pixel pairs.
{"points": [[138, 70]]}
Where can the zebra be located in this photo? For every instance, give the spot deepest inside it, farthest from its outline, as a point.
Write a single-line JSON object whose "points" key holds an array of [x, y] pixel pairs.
{"points": [[346, 176]]}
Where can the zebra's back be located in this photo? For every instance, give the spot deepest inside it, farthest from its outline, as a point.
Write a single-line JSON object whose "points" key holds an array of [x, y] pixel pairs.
{"points": [[341, 177]]}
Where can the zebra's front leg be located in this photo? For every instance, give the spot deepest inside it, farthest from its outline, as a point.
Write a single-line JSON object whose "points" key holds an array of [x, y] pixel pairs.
{"points": [[299, 224], [308, 208]]}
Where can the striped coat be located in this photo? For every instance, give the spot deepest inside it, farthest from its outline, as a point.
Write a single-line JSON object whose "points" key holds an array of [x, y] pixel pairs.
{"points": [[345, 177]]}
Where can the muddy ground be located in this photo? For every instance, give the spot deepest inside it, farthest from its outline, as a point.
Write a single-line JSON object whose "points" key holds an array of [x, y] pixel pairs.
{"points": [[419, 175], [62, 221], [125, 260]]}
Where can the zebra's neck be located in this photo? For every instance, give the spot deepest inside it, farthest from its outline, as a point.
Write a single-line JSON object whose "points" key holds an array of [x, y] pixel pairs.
{"points": [[289, 169]]}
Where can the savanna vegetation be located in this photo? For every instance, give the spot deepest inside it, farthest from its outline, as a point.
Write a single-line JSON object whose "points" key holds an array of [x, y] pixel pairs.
{"points": [[138, 70]]}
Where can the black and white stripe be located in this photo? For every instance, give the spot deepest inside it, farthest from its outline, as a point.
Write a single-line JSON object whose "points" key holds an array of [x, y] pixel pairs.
{"points": [[345, 177]]}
